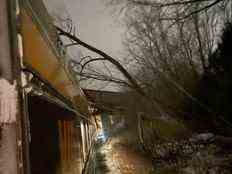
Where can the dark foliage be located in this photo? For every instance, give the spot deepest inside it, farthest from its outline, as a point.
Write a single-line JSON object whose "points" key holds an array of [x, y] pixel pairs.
{"points": [[215, 88]]}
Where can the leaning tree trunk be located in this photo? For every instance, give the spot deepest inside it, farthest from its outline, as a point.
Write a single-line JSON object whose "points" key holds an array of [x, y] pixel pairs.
{"points": [[133, 83]]}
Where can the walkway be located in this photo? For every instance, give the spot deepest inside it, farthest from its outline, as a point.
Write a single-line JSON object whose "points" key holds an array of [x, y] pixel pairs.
{"points": [[118, 158]]}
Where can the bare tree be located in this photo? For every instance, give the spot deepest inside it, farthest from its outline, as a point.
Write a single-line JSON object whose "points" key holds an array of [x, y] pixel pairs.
{"points": [[130, 80], [170, 41], [166, 45], [182, 5]]}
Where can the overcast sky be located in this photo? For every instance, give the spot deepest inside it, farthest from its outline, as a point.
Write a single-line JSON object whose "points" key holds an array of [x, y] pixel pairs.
{"points": [[95, 22]]}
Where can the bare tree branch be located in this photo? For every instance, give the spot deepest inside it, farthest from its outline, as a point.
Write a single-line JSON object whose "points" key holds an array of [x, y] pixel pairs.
{"points": [[90, 61], [132, 82], [156, 4], [107, 57]]}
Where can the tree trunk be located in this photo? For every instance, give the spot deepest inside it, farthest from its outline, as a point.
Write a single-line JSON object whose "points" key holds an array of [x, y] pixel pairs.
{"points": [[132, 81]]}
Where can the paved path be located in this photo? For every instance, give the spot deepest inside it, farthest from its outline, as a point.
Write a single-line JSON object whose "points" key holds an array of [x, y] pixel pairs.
{"points": [[121, 159]]}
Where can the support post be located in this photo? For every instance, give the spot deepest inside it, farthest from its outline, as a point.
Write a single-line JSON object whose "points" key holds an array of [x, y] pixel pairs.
{"points": [[11, 155], [8, 142]]}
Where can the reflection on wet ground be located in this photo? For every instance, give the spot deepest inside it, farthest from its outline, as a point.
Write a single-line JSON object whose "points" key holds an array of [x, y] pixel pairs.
{"points": [[115, 157]]}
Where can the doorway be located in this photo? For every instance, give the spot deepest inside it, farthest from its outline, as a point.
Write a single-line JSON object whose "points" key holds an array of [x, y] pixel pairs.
{"points": [[44, 148]]}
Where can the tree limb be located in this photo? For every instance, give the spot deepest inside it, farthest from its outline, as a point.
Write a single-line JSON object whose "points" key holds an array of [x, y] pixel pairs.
{"points": [[107, 57], [156, 4]]}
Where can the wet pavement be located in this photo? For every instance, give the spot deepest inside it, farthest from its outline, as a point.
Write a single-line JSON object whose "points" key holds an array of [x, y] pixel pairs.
{"points": [[116, 157]]}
